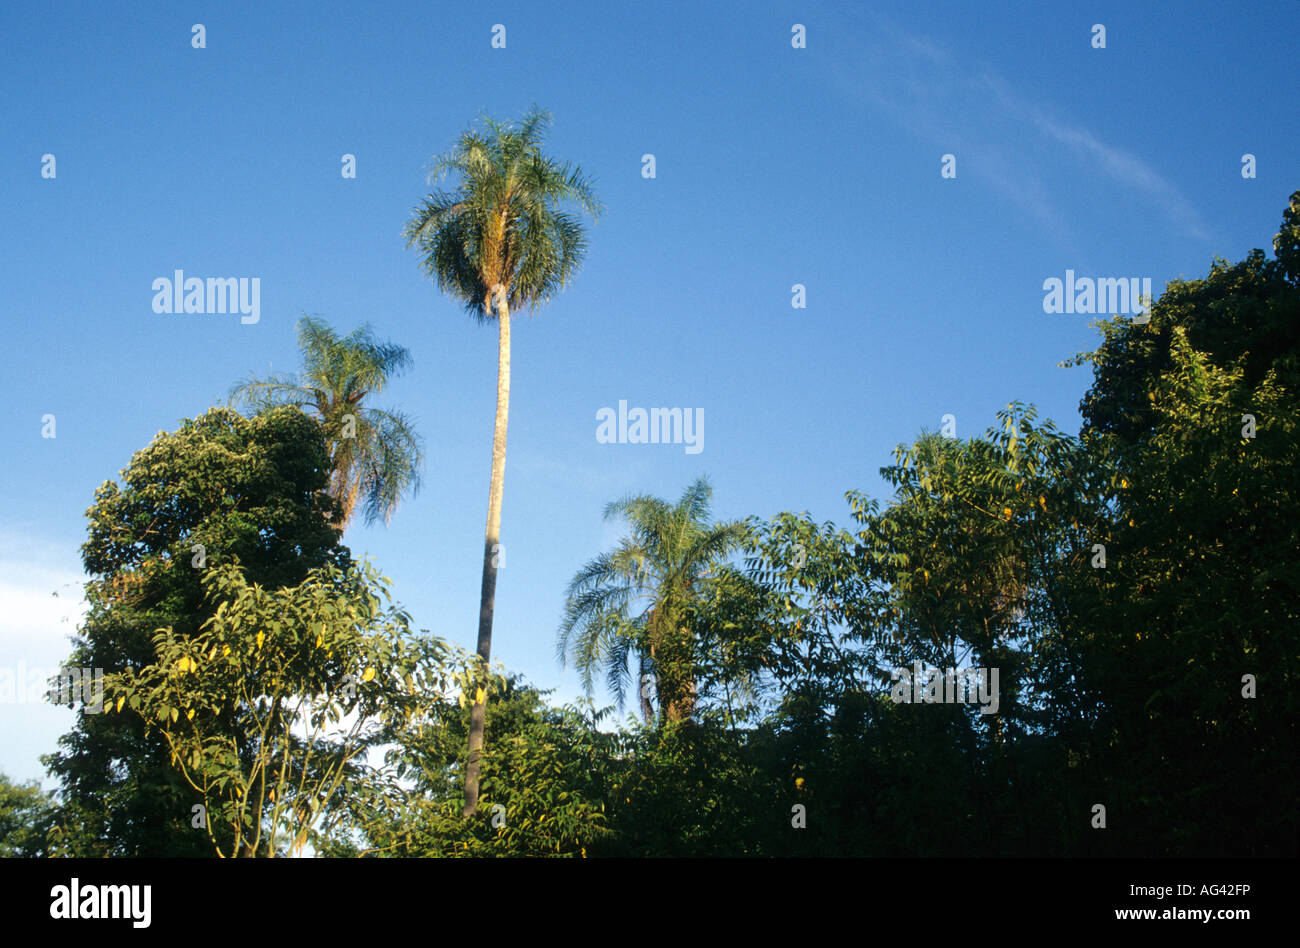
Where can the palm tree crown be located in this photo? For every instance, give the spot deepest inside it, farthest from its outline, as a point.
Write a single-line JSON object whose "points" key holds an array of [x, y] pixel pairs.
{"points": [[502, 226], [375, 455], [634, 600]]}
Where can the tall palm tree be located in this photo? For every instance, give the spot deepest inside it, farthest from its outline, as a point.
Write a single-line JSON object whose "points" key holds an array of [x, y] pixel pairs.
{"points": [[375, 455], [634, 601], [500, 238]]}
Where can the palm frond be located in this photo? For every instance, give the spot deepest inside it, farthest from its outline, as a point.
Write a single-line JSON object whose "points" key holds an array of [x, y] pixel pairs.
{"points": [[503, 222], [394, 455], [377, 457], [258, 394], [657, 569]]}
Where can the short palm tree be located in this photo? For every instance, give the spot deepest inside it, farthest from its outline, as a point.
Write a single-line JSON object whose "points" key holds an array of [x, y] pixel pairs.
{"points": [[500, 239], [633, 602], [375, 455]]}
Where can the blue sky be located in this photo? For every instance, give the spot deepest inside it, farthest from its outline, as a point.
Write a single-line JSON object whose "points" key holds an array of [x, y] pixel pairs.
{"points": [[775, 166]]}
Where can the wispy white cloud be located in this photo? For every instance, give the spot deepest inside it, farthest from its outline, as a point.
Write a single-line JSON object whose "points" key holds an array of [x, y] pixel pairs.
{"points": [[964, 107], [1116, 163]]}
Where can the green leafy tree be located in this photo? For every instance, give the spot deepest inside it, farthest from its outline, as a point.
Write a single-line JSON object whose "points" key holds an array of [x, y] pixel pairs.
{"points": [[961, 569], [691, 790], [27, 815], [818, 613], [375, 454], [1195, 418], [972, 543], [221, 487], [545, 782], [636, 600], [266, 711], [980, 551], [501, 238]]}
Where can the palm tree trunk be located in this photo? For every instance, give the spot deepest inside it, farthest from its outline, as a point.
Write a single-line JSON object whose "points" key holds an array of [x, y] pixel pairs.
{"points": [[677, 695], [492, 537]]}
